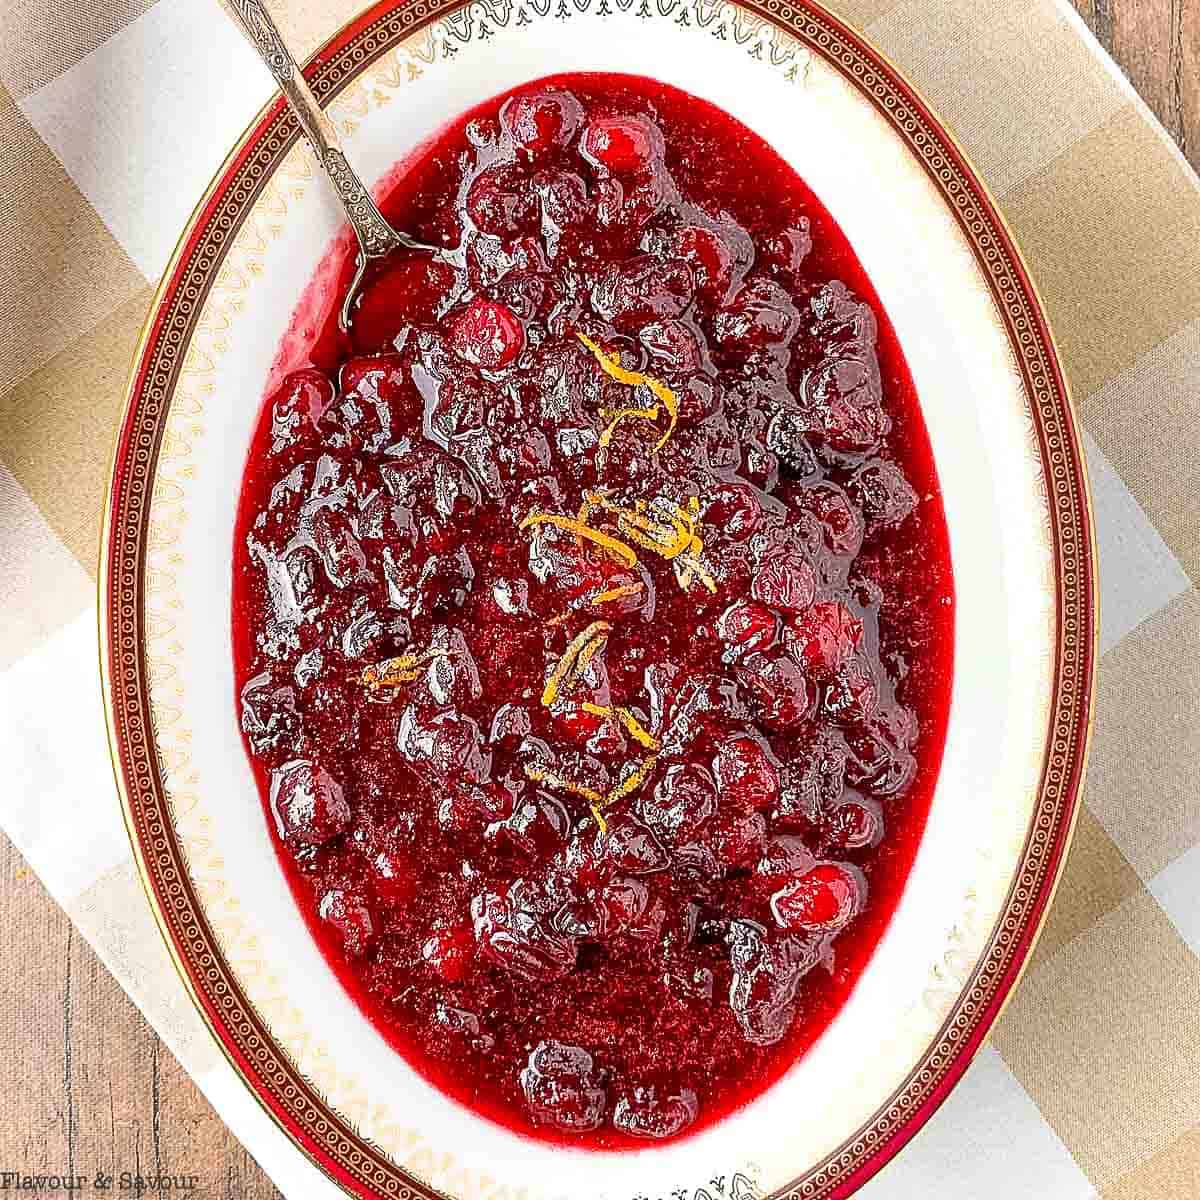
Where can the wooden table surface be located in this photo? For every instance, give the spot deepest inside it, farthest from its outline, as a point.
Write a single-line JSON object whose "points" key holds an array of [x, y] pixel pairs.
{"points": [[86, 1084]]}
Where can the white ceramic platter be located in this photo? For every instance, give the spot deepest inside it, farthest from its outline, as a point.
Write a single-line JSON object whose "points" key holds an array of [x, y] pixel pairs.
{"points": [[1008, 460]]}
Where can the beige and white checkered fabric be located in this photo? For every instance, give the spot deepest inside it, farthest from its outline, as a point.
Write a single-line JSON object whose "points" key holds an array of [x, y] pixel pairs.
{"points": [[1091, 1083]]}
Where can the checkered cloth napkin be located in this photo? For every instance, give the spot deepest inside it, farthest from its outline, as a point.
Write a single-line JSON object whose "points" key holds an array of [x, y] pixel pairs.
{"points": [[113, 116]]}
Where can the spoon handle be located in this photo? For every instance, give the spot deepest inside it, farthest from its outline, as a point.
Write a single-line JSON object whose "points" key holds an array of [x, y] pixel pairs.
{"points": [[375, 236]]}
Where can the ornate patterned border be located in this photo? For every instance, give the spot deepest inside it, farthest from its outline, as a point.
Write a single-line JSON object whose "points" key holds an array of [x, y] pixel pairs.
{"points": [[788, 31]]}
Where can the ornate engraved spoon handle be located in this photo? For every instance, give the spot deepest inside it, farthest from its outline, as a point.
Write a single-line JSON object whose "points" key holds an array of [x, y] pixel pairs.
{"points": [[375, 236]]}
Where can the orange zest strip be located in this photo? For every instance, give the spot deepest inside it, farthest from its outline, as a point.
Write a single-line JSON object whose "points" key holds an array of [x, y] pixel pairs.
{"points": [[596, 802], [573, 661], [618, 415], [687, 565], [560, 782], [592, 500], [392, 672], [573, 525], [630, 784], [673, 535], [668, 537], [668, 540], [610, 364], [589, 652], [617, 593], [585, 511], [637, 730], [633, 781]]}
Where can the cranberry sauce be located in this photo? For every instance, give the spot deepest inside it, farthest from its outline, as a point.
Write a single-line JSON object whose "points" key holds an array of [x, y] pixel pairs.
{"points": [[593, 615]]}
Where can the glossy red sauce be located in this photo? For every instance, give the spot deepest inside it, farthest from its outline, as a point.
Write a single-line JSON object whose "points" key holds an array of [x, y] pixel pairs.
{"points": [[598, 828]]}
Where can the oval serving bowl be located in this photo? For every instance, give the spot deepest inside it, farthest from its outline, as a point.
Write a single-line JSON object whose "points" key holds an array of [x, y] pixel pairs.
{"points": [[1011, 469]]}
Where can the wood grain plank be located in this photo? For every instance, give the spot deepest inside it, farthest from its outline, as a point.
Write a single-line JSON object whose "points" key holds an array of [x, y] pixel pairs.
{"points": [[1146, 45], [1157, 44], [1098, 15], [1189, 78], [109, 1086], [34, 1065], [190, 1139], [88, 1086]]}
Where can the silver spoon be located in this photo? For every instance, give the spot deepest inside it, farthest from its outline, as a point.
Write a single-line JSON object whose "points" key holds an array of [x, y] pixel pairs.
{"points": [[376, 236]]}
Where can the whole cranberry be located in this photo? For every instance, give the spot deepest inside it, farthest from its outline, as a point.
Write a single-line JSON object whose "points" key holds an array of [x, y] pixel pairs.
{"points": [[585, 864], [410, 291], [856, 823], [825, 899], [885, 495], [513, 931], [563, 1087], [270, 718], [348, 914], [746, 626], [853, 693], [813, 781], [530, 295], [787, 250], [449, 950], [699, 398], [845, 395], [447, 748], [537, 826], [841, 522], [383, 375], [501, 202], [781, 692], [877, 763], [629, 908], [739, 838], [460, 406], [541, 121], [631, 847], [789, 438], [564, 197], [642, 290], [761, 314], [712, 259], [674, 346], [746, 771], [735, 510], [308, 803], [486, 334], [784, 580], [297, 407], [654, 1113], [681, 802], [767, 971], [623, 145], [342, 554], [823, 637], [785, 857]]}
